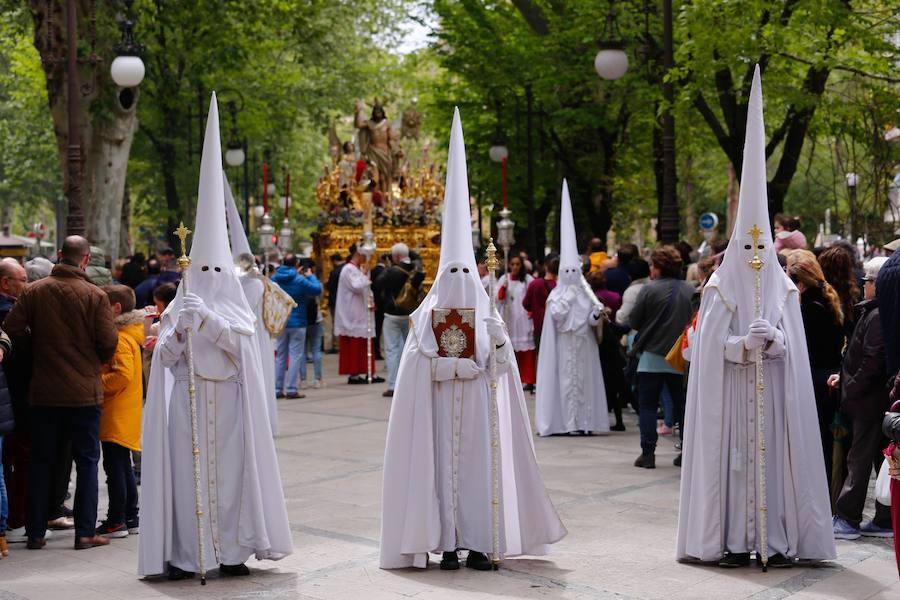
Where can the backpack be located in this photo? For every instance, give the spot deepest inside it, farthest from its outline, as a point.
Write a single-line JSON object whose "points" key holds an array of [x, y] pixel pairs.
{"points": [[409, 297]]}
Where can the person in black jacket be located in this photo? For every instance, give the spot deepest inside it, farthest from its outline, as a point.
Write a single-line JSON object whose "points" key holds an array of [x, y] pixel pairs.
{"points": [[7, 423], [337, 263], [823, 321], [864, 399], [387, 287]]}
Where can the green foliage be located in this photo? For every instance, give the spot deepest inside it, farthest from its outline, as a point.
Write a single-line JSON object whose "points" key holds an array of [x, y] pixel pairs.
{"points": [[30, 176]]}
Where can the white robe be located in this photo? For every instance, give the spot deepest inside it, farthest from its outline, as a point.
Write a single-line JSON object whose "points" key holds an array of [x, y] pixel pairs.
{"points": [[242, 499], [437, 472], [570, 394], [518, 321], [720, 491], [351, 316], [254, 289]]}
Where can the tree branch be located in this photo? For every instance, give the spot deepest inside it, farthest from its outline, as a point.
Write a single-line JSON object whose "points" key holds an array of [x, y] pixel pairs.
{"points": [[722, 136], [853, 70], [534, 16]]}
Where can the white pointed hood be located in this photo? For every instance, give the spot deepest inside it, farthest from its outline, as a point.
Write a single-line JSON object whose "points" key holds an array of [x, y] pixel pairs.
{"points": [[211, 274], [457, 284], [240, 246], [568, 283], [735, 279]]}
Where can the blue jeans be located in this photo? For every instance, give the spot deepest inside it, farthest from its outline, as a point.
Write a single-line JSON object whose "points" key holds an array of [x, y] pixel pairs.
{"points": [[649, 391], [312, 351], [394, 332], [291, 342], [4, 501]]}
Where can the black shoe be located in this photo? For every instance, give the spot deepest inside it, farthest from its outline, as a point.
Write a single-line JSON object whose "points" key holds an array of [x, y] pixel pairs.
{"points": [[449, 561], [134, 525], [377, 379], [35, 543], [777, 561], [240, 570], [646, 461], [734, 560], [280, 396], [356, 380], [176, 574], [388, 394], [528, 387], [677, 461], [618, 427], [478, 561]]}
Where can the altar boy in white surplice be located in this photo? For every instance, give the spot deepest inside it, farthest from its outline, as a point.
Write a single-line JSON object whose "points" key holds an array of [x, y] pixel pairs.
{"points": [[438, 480]]}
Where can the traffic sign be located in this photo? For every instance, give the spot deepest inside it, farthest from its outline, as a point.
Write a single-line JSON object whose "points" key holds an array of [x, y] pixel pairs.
{"points": [[708, 221]]}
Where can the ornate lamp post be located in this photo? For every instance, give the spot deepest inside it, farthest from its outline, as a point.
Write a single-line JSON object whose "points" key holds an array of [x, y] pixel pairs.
{"points": [[265, 230], [611, 63], [127, 69], [505, 227], [285, 236]]}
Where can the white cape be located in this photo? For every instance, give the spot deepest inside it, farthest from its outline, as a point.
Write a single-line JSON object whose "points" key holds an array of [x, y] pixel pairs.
{"points": [[800, 475], [263, 523], [254, 288], [570, 394]]}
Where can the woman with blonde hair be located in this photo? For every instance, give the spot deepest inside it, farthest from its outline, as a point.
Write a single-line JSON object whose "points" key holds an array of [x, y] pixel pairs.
{"points": [[823, 320]]}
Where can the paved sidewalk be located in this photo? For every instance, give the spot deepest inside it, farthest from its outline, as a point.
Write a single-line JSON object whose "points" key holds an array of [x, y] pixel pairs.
{"points": [[621, 523]]}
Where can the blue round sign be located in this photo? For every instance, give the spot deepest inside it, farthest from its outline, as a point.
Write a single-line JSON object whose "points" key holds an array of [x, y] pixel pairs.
{"points": [[708, 221]]}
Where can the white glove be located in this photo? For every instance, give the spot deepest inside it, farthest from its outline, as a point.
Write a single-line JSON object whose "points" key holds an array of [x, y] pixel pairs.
{"points": [[466, 368], [194, 304], [185, 319], [762, 328], [495, 329]]}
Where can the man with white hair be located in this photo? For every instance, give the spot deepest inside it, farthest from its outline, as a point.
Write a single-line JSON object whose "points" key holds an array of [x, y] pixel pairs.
{"points": [[864, 400], [399, 290]]}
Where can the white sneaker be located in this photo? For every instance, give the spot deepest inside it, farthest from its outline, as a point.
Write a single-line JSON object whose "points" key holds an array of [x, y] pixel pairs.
{"points": [[303, 385], [18, 535], [318, 384]]}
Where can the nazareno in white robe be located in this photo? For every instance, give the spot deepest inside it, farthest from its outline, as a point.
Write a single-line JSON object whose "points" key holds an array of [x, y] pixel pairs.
{"points": [[570, 393], [243, 502], [254, 288], [437, 470], [719, 482]]}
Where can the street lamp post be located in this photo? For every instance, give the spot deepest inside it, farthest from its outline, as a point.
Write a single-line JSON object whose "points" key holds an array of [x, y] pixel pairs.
{"points": [[266, 230], [236, 155], [285, 237], [852, 183], [612, 63], [505, 227]]}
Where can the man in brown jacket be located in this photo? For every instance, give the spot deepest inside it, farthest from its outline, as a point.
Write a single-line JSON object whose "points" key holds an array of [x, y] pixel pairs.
{"points": [[70, 327]]}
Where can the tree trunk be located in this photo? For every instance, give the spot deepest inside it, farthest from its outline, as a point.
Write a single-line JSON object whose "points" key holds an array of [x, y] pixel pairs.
{"points": [[731, 203], [106, 138], [690, 213]]}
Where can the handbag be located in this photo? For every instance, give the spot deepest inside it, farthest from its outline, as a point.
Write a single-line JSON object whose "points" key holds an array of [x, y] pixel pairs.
{"points": [[883, 483]]}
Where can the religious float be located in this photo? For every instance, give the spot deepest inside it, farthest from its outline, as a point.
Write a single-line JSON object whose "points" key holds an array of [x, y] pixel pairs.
{"points": [[380, 189]]}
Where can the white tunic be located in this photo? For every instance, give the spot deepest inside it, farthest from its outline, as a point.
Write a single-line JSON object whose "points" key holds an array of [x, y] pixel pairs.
{"points": [[570, 394], [253, 290], [518, 321], [352, 308]]}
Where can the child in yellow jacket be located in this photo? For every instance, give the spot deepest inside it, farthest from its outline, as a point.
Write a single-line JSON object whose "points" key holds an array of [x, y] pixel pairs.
{"points": [[120, 420]]}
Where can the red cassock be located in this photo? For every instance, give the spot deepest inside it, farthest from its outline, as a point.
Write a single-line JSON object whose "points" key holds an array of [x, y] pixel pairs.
{"points": [[527, 367], [353, 356]]}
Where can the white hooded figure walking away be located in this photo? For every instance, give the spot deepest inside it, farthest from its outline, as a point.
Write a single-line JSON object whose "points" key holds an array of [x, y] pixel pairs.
{"points": [[438, 484], [570, 392], [728, 507], [242, 504], [254, 285]]}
